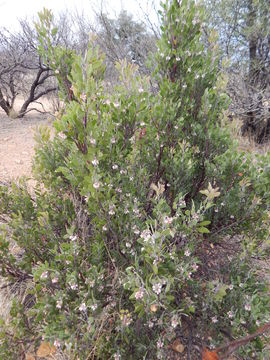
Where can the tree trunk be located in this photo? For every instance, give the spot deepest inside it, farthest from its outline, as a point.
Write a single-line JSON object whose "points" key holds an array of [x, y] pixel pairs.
{"points": [[252, 43], [34, 94], [252, 121], [4, 104]]}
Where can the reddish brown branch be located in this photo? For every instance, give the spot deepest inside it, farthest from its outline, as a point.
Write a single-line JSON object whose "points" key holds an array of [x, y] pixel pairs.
{"points": [[232, 346]]}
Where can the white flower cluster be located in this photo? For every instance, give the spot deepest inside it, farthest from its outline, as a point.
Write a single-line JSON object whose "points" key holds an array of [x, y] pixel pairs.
{"points": [[73, 237], [94, 307], [136, 211], [187, 252], [83, 307], [135, 230], [55, 280], [157, 288], [44, 275], [74, 286], [174, 322], [56, 343], [95, 162], [59, 303], [112, 209], [146, 235], [139, 294], [92, 141], [168, 220], [96, 185], [182, 203], [62, 135]]}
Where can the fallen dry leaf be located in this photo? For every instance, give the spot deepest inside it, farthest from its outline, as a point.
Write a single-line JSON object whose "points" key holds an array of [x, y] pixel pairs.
{"points": [[153, 308], [29, 357], [177, 346], [209, 355], [45, 349]]}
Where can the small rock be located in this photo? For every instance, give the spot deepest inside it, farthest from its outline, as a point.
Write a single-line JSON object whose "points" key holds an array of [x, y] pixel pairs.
{"points": [[6, 139], [18, 161], [25, 152]]}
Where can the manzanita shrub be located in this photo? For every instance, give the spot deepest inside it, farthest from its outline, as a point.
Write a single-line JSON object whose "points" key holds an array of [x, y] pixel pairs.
{"points": [[140, 239]]}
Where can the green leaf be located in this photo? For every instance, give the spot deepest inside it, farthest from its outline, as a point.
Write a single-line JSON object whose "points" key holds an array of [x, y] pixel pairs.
{"points": [[210, 192], [204, 223], [203, 230], [221, 292], [155, 269]]}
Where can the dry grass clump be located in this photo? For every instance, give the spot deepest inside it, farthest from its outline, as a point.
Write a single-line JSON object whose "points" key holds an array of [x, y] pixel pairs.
{"points": [[245, 143]]}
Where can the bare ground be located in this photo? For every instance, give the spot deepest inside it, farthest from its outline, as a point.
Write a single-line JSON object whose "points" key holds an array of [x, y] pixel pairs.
{"points": [[17, 144]]}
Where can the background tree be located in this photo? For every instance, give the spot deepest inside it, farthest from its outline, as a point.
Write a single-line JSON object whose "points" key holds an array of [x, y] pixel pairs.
{"points": [[244, 36], [26, 73], [23, 72], [119, 38], [125, 38]]}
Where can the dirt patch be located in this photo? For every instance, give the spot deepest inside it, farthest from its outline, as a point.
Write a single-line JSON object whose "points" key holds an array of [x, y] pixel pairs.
{"points": [[17, 143]]}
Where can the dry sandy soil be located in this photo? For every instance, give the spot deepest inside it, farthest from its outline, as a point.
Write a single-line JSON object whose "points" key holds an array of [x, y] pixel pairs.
{"points": [[17, 143]]}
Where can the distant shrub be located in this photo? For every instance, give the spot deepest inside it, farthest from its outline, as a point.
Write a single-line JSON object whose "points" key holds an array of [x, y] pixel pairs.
{"points": [[139, 242]]}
